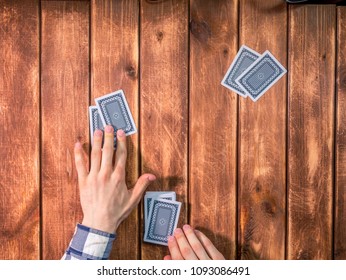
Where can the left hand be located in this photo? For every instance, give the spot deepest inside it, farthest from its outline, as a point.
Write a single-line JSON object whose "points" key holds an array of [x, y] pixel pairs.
{"points": [[106, 201]]}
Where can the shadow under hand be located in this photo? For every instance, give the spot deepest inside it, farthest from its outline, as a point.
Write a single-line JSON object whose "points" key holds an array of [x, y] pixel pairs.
{"points": [[226, 246]]}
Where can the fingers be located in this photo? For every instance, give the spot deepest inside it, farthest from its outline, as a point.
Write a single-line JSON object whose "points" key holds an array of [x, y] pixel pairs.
{"points": [[140, 187], [108, 149], [209, 246], [184, 246], [174, 249], [79, 157], [194, 243], [167, 258], [121, 153], [96, 152]]}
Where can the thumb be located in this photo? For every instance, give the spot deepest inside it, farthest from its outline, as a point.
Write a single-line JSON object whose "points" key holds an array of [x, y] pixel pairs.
{"points": [[141, 185]]}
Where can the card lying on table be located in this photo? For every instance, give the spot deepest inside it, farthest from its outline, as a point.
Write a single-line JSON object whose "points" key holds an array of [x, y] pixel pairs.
{"points": [[114, 110], [261, 75], [148, 198], [111, 109], [94, 121], [252, 74], [244, 58], [163, 220]]}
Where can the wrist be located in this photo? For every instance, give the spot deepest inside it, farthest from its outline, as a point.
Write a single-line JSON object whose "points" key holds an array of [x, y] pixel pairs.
{"points": [[102, 226]]}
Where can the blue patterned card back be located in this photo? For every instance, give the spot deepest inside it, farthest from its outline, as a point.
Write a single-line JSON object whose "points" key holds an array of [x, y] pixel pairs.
{"points": [[163, 220], [261, 76], [244, 58], [115, 111]]}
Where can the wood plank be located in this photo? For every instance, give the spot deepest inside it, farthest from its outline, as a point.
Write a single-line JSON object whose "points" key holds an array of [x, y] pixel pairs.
{"points": [[19, 130], [164, 102], [114, 65], [65, 100], [262, 139], [310, 131], [213, 122], [340, 168]]}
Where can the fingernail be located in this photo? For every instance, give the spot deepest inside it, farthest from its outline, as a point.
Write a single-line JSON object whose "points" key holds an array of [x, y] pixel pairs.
{"points": [[121, 133], [98, 132], [151, 177], [186, 227], [109, 129], [170, 238], [177, 231], [78, 145]]}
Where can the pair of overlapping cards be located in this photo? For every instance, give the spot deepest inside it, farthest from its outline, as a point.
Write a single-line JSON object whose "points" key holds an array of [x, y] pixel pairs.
{"points": [[161, 215], [252, 74], [111, 109]]}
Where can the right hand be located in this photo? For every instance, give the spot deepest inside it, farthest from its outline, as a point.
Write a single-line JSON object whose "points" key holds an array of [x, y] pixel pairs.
{"points": [[191, 244]]}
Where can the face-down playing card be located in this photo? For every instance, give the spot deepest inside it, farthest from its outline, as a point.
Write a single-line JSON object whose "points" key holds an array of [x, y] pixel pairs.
{"points": [[261, 76], [163, 220], [149, 197], [244, 58], [115, 111], [94, 121]]}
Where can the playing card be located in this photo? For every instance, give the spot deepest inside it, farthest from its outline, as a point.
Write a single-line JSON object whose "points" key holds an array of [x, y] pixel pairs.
{"points": [[94, 121], [163, 220], [244, 58], [115, 111], [261, 75], [148, 198]]}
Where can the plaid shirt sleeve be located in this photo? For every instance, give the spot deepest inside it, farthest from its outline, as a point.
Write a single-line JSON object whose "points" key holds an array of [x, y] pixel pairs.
{"points": [[89, 244]]}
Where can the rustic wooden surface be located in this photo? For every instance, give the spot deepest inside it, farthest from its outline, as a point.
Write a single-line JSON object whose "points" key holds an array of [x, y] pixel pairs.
{"points": [[19, 130], [340, 167], [213, 122], [310, 131], [263, 180], [164, 101], [262, 140], [64, 101]]}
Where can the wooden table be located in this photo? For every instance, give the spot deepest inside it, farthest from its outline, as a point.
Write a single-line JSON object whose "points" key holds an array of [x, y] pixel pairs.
{"points": [[263, 180]]}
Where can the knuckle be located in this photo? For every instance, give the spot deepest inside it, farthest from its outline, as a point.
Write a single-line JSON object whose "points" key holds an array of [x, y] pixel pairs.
{"points": [[197, 247], [108, 149], [103, 176], [91, 181], [186, 251], [208, 243], [119, 172], [95, 151], [121, 153]]}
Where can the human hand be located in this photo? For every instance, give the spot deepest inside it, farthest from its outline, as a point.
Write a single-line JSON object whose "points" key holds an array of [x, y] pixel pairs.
{"points": [[190, 244], [104, 196]]}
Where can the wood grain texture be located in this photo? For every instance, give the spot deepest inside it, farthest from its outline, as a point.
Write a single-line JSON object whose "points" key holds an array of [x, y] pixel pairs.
{"points": [[19, 130], [213, 122], [311, 130], [164, 102], [340, 167], [114, 65], [262, 139], [65, 100]]}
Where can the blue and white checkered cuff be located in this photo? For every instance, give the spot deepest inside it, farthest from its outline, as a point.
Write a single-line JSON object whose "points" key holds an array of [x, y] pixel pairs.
{"points": [[89, 244]]}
